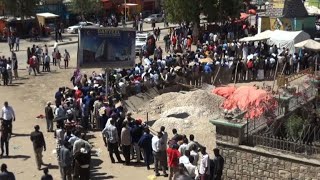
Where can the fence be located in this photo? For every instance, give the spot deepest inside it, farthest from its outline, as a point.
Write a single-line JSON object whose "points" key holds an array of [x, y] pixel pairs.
{"points": [[303, 96], [285, 145]]}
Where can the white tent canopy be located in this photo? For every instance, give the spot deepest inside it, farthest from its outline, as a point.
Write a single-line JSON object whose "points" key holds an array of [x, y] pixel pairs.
{"points": [[258, 37], [287, 39], [309, 44]]}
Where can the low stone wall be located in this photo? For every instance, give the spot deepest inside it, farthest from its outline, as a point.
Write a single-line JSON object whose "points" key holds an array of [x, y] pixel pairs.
{"points": [[247, 163]]}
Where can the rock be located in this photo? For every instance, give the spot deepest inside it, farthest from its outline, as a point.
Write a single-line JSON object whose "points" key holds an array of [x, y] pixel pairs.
{"points": [[284, 174], [231, 173]]}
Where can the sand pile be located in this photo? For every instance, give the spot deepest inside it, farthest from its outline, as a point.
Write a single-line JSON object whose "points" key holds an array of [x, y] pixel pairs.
{"points": [[189, 113], [199, 99]]}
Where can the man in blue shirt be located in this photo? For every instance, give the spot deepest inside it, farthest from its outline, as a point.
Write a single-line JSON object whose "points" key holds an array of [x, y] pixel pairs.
{"points": [[207, 73]]}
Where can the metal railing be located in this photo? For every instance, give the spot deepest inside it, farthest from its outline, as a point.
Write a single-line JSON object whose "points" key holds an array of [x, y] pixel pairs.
{"points": [[303, 96], [285, 145]]}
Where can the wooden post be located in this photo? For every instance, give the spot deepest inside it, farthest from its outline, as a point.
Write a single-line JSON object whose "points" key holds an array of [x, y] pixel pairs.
{"points": [[236, 73], [215, 77], [275, 75]]}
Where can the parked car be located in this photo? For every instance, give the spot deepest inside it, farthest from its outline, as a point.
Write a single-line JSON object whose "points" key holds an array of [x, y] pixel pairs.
{"points": [[75, 28], [154, 18], [141, 40]]}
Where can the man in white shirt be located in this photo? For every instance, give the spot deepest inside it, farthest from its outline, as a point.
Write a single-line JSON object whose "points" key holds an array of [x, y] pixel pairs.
{"points": [[159, 153], [8, 115], [204, 169], [185, 158], [192, 169], [183, 147], [195, 155]]}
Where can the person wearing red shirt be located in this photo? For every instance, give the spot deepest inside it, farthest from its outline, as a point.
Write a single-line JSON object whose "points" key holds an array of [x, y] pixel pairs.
{"points": [[173, 159]]}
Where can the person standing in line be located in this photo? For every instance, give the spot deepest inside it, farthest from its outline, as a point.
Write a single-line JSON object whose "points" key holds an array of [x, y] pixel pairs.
{"points": [[173, 159], [5, 174], [4, 137], [8, 115], [39, 145], [111, 133], [17, 43], [126, 141], [204, 169], [65, 162], [49, 117], [218, 163], [83, 158], [145, 144], [159, 154], [46, 175], [66, 57]]}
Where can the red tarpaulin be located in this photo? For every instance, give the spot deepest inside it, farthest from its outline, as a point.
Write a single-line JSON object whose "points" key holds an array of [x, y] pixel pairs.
{"points": [[247, 98]]}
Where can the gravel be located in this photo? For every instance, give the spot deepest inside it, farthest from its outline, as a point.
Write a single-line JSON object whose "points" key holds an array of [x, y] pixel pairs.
{"points": [[189, 113]]}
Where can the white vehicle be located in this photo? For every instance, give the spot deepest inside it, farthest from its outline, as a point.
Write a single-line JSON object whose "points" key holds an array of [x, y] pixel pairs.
{"points": [[154, 18], [141, 40], [74, 29]]}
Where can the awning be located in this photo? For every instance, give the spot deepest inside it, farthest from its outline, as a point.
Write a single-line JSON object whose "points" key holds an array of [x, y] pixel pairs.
{"points": [[129, 4], [47, 15], [309, 44], [258, 37]]}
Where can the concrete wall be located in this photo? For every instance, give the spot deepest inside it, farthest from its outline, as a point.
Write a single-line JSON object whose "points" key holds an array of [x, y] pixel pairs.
{"points": [[247, 163]]}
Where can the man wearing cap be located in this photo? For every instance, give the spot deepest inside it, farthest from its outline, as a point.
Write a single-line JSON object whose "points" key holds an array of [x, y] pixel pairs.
{"points": [[8, 115], [39, 144], [49, 117]]}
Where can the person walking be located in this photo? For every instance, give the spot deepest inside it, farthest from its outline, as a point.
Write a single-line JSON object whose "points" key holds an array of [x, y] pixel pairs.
{"points": [[65, 162], [47, 62], [9, 70], [7, 115], [126, 141], [66, 57], [14, 65], [17, 43], [111, 133], [58, 58], [5, 174], [49, 117], [46, 175], [39, 145], [4, 137], [54, 60]]}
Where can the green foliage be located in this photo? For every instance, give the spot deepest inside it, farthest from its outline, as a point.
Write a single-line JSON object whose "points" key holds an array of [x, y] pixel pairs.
{"points": [[178, 11], [20, 7], [294, 126], [85, 7]]}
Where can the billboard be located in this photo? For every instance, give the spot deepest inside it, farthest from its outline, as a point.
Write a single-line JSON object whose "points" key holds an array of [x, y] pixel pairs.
{"points": [[106, 47]]}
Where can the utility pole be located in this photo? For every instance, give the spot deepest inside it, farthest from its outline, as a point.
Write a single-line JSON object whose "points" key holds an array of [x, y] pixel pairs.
{"points": [[125, 11]]}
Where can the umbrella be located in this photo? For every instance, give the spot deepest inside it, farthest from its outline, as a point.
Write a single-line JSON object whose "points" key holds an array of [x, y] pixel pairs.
{"points": [[206, 60], [192, 63]]}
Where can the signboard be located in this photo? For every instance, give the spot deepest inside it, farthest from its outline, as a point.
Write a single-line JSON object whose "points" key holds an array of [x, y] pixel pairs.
{"points": [[106, 47], [278, 4]]}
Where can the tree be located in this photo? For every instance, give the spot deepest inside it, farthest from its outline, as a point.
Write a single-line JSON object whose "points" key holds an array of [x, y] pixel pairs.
{"points": [[85, 7], [20, 7], [178, 11]]}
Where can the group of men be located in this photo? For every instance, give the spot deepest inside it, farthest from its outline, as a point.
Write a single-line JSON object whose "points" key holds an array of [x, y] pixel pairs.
{"points": [[8, 69], [37, 56]]}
